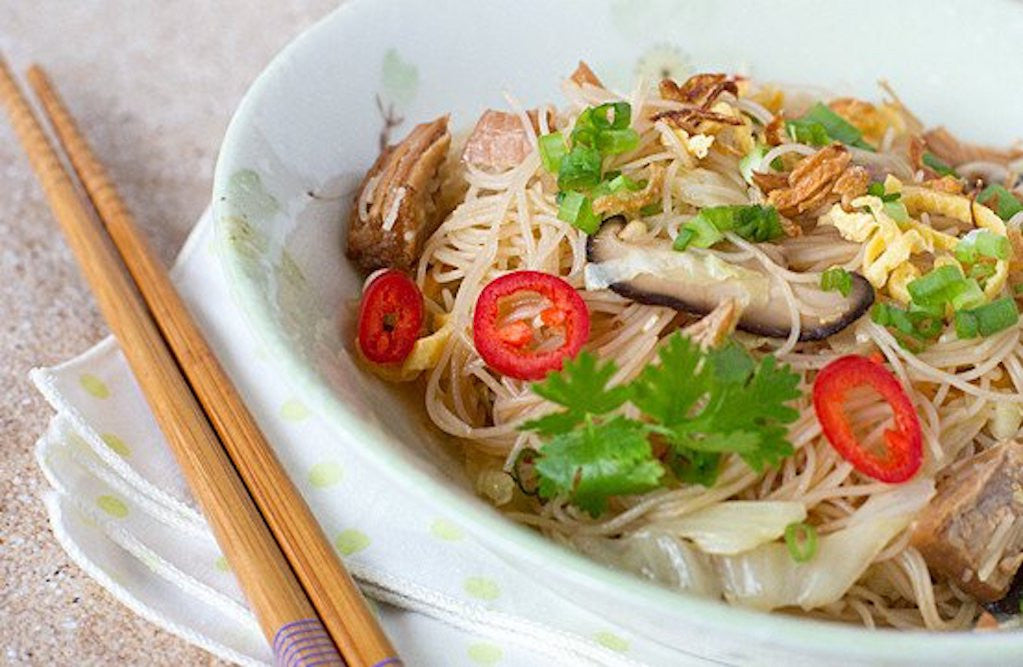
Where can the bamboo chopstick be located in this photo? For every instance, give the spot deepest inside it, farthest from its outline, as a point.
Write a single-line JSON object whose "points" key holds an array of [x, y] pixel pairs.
{"points": [[277, 598], [330, 588]]}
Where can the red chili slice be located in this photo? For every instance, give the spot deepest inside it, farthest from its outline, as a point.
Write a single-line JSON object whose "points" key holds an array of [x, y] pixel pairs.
{"points": [[390, 317], [903, 453], [515, 348]]}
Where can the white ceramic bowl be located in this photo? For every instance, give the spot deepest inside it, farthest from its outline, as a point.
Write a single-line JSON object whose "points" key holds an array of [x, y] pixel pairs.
{"points": [[310, 126]]}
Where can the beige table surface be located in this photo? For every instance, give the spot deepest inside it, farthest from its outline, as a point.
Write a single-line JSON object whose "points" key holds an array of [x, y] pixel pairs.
{"points": [[153, 83]]}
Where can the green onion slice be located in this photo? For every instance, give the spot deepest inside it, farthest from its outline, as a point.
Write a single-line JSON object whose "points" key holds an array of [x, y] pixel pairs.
{"points": [[982, 243], [837, 279], [580, 168], [820, 125], [576, 209], [552, 149], [937, 287], [1001, 201], [801, 540], [938, 165], [988, 319]]}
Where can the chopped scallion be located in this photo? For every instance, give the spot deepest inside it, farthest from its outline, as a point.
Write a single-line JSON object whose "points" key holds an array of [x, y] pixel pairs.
{"points": [[552, 149], [877, 190], [684, 238], [702, 233], [753, 223], [1001, 201], [837, 279], [988, 319], [966, 325], [896, 210], [820, 126], [970, 296], [580, 168], [576, 209], [937, 287], [921, 324], [938, 165], [801, 540], [982, 243], [614, 142]]}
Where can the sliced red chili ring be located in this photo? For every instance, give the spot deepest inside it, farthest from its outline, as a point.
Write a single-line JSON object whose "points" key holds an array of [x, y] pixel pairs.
{"points": [[390, 317], [903, 451], [519, 348]]}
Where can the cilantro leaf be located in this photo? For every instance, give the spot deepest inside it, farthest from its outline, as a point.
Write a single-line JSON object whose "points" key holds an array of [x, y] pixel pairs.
{"points": [[719, 401], [592, 463], [694, 467], [581, 386], [699, 404], [667, 391]]}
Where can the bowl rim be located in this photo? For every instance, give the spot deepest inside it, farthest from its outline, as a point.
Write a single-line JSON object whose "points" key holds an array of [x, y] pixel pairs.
{"points": [[805, 635]]}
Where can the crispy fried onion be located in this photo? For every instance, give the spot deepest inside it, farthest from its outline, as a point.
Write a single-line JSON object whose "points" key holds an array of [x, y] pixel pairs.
{"points": [[694, 120], [814, 180], [853, 183], [584, 75], [949, 184], [699, 90], [774, 132]]}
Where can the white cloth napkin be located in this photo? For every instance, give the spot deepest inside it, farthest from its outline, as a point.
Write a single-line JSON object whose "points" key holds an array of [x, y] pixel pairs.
{"points": [[121, 509]]}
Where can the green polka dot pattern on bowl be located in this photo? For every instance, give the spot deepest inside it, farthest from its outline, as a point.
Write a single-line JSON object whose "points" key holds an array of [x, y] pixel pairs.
{"points": [[94, 386], [484, 654], [222, 565], [113, 506], [612, 641], [326, 474], [482, 588], [443, 529], [399, 79], [351, 541], [294, 410], [117, 445]]}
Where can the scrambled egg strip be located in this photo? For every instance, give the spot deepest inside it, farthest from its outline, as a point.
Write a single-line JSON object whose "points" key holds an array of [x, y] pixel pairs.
{"points": [[890, 245]]}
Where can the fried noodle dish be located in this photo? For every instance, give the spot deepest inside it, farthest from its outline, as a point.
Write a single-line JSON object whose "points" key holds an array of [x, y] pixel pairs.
{"points": [[749, 342]]}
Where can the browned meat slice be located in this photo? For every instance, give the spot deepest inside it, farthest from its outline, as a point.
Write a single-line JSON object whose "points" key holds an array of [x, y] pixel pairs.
{"points": [[395, 211], [583, 74], [499, 141], [972, 531]]}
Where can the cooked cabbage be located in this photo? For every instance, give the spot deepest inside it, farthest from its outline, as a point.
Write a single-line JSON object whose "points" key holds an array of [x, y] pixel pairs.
{"points": [[735, 526], [767, 577], [656, 556]]}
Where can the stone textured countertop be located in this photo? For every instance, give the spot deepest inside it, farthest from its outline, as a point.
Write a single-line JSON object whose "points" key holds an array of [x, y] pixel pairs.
{"points": [[153, 85]]}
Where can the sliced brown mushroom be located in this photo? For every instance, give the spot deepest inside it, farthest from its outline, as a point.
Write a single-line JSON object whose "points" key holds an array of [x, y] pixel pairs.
{"points": [[394, 211], [651, 272]]}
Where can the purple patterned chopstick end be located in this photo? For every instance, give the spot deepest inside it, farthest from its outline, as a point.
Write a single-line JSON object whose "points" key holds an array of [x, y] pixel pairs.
{"points": [[305, 643], [389, 662]]}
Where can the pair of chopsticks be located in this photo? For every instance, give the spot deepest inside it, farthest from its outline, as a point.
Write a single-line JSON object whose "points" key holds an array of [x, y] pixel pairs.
{"points": [[307, 605]]}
